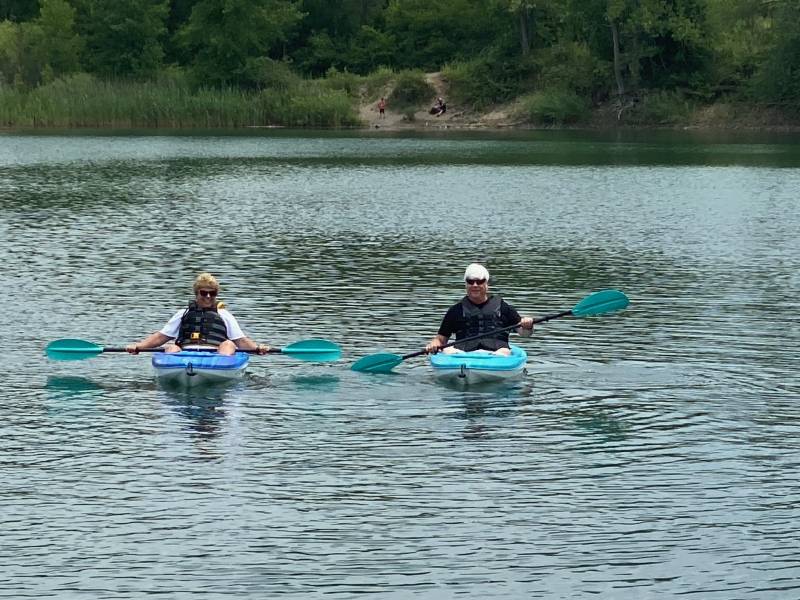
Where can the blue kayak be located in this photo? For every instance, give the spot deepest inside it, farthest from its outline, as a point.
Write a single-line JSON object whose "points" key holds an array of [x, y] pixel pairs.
{"points": [[479, 366], [195, 367]]}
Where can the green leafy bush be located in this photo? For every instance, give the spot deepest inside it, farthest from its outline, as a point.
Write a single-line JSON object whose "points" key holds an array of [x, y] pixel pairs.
{"points": [[554, 107], [375, 83], [411, 90], [346, 82], [488, 80], [571, 66], [273, 74], [662, 108]]}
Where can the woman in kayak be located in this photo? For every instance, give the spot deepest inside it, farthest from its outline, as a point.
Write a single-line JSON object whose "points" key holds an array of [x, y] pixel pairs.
{"points": [[476, 313], [204, 323]]}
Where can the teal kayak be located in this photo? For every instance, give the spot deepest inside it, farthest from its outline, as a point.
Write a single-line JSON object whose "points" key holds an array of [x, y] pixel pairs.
{"points": [[479, 366], [191, 368]]}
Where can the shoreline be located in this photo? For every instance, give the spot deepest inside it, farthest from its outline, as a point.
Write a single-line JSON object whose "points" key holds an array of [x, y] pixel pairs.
{"points": [[704, 120], [459, 122], [427, 128], [607, 117]]}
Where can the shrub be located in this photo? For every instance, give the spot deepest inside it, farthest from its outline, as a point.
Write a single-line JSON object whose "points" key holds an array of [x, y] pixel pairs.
{"points": [[488, 80], [554, 107], [411, 90], [375, 83], [271, 74], [663, 108], [571, 66], [343, 81]]}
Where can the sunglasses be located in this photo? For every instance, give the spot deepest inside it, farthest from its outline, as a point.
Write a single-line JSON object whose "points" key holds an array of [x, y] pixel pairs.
{"points": [[207, 294], [475, 281]]}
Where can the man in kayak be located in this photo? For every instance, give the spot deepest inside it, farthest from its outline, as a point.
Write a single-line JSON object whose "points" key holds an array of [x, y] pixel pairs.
{"points": [[479, 312], [204, 323]]}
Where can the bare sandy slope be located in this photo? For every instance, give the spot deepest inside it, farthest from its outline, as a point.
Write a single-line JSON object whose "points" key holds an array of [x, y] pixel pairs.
{"points": [[455, 117], [715, 117]]}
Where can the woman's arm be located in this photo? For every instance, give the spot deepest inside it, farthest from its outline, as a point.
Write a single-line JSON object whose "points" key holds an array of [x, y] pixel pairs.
{"points": [[245, 343], [154, 340]]}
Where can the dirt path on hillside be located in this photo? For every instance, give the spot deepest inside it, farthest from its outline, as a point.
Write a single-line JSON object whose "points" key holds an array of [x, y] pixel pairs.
{"points": [[604, 117], [455, 116]]}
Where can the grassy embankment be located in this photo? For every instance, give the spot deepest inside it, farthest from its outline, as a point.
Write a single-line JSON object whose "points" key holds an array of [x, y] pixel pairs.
{"points": [[289, 100], [83, 101]]}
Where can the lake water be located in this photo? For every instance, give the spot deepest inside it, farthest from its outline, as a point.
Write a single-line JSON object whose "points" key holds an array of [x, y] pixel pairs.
{"points": [[648, 453]]}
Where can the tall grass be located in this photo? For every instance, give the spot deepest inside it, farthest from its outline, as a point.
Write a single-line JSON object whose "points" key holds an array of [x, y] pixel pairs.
{"points": [[488, 80], [553, 107], [83, 101], [375, 83], [411, 91], [662, 108]]}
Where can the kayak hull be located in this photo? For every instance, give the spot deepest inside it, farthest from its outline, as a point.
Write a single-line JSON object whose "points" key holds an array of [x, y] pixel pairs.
{"points": [[191, 368], [479, 366]]}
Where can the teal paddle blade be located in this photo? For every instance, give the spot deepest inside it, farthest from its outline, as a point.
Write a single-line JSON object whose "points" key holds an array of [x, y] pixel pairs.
{"points": [[600, 303], [377, 363], [313, 350], [68, 349]]}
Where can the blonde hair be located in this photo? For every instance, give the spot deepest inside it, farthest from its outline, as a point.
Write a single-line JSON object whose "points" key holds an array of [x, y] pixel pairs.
{"points": [[205, 280]]}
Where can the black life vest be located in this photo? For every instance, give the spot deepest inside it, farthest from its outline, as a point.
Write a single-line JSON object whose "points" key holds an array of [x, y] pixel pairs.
{"points": [[480, 319], [199, 326]]}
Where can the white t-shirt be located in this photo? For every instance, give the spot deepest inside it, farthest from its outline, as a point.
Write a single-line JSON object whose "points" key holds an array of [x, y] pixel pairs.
{"points": [[173, 326]]}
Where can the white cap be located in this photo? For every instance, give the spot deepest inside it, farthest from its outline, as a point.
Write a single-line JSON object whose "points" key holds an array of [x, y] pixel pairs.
{"points": [[476, 271]]}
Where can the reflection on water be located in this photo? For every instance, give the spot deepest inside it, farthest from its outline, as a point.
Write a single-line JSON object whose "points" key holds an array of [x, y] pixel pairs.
{"points": [[316, 383], [603, 424], [651, 452], [72, 396], [71, 387], [202, 407], [487, 407]]}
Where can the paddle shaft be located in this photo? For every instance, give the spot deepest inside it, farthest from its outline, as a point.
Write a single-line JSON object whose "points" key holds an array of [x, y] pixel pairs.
{"points": [[493, 332], [160, 349]]}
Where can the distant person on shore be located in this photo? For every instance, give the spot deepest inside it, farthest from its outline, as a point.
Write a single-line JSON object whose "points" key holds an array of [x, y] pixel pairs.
{"points": [[382, 108], [439, 107], [205, 322]]}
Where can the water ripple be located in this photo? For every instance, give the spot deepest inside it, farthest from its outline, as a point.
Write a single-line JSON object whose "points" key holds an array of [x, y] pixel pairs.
{"points": [[647, 453]]}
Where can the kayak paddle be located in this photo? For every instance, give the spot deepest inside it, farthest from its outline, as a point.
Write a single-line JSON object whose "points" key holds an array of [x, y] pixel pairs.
{"points": [[315, 350], [597, 303], [311, 350]]}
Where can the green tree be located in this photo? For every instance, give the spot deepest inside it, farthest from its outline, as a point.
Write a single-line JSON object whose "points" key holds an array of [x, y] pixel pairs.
{"points": [[61, 46], [9, 51], [18, 10], [22, 59], [369, 49], [778, 77], [430, 34], [124, 37], [522, 12], [742, 34], [179, 13], [41, 49], [227, 36], [652, 43], [341, 19], [319, 53], [344, 34]]}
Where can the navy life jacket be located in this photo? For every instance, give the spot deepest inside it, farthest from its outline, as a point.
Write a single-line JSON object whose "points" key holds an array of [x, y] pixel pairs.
{"points": [[200, 326], [480, 319]]}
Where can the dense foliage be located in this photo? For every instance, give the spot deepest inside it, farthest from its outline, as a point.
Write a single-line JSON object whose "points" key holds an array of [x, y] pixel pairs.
{"points": [[559, 57]]}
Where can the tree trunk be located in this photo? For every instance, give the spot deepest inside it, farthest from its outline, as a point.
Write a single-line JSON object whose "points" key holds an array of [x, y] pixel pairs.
{"points": [[524, 30], [617, 59]]}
